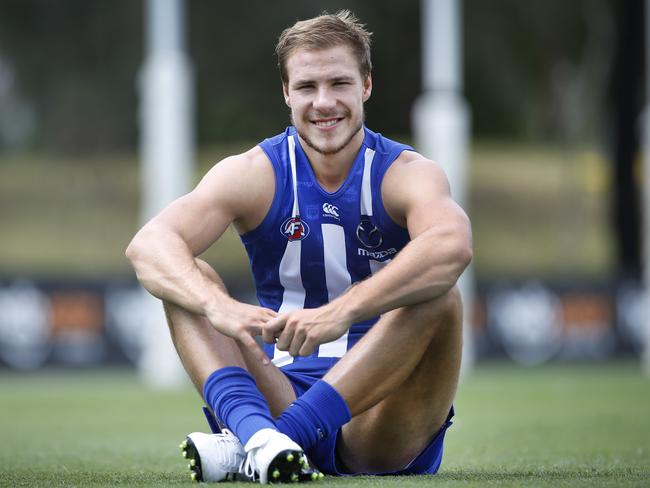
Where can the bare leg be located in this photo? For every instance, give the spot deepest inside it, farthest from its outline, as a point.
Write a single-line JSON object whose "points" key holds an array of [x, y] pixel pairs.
{"points": [[203, 350], [400, 402]]}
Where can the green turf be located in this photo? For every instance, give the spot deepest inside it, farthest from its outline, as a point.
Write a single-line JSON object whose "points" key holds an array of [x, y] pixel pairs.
{"points": [[560, 425]]}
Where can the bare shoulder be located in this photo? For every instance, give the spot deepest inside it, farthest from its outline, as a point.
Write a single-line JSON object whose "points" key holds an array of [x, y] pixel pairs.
{"points": [[233, 169], [411, 164], [412, 180], [244, 184]]}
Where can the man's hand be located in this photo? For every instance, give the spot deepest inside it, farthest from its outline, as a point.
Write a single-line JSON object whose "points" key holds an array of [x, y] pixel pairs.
{"points": [[302, 331], [242, 322]]}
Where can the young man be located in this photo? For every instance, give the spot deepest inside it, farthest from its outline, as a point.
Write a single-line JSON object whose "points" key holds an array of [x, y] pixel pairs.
{"points": [[355, 246]]}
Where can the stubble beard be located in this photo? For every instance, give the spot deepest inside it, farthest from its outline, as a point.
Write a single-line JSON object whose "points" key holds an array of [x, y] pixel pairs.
{"points": [[336, 149]]}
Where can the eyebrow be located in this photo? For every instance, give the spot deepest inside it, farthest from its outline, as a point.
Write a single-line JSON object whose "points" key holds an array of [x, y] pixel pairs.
{"points": [[342, 78], [308, 81]]}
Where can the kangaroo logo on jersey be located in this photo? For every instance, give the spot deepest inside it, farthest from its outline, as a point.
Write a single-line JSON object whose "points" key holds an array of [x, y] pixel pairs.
{"points": [[330, 210], [294, 228], [368, 233]]}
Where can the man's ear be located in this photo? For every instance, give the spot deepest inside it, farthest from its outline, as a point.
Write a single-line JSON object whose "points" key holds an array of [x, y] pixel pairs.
{"points": [[285, 93], [367, 87]]}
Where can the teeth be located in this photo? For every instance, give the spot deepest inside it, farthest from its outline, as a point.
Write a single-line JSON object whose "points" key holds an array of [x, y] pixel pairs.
{"points": [[326, 123]]}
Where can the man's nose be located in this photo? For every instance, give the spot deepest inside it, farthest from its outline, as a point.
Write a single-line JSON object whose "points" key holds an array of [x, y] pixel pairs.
{"points": [[324, 100]]}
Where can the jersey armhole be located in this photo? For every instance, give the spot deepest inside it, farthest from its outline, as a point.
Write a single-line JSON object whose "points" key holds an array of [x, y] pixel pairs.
{"points": [[263, 227], [385, 220]]}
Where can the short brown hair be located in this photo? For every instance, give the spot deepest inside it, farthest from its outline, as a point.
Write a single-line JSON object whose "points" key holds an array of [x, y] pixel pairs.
{"points": [[322, 32]]}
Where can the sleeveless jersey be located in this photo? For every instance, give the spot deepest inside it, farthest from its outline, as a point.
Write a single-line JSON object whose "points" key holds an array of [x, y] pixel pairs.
{"points": [[312, 244]]}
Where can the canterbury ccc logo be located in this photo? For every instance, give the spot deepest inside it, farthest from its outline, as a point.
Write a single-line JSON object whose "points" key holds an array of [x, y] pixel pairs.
{"points": [[330, 209], [294, 229]]}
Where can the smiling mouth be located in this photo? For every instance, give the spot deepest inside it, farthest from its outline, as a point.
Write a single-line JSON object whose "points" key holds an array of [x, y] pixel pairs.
{"points": [[326, 123]]}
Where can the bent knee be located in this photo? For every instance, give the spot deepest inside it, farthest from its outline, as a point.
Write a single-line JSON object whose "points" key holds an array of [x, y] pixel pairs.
{"points": [[209, 272], [447, 308]]}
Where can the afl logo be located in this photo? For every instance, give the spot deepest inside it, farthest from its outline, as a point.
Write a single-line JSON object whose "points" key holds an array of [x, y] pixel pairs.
{"points": [[295, 229], [368, 234]]}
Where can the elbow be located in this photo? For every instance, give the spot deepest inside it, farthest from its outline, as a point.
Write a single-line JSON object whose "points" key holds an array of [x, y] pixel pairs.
{"points": [[460, 259], [134, 252], [464, 249], [464, 257], [131, 251]]}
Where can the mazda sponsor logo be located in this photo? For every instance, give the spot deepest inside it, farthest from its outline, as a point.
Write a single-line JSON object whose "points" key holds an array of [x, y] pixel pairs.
{"points": [[377, 255], [368, 233]]}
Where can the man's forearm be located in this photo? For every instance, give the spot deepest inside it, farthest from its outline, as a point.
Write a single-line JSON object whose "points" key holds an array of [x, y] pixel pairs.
{"points": [[426, 268], [170, 272]]}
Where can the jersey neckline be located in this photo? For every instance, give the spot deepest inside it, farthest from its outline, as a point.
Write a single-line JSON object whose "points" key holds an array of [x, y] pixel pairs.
{"points": [[358, 160]]}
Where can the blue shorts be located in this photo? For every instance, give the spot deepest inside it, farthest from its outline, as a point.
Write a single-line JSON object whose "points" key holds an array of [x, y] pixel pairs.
{"points": [[303, 374]]}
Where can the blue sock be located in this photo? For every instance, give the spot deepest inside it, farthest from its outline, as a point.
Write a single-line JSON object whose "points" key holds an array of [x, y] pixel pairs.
{"points": [[314, 416], [233, 395]]}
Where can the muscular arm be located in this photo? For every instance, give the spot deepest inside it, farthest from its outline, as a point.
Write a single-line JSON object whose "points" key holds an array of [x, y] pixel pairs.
{"points": [[416, 195], [237, 190]]}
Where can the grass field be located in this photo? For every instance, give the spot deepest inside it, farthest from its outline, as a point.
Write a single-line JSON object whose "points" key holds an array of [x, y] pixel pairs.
{"points": [[559, 425]]}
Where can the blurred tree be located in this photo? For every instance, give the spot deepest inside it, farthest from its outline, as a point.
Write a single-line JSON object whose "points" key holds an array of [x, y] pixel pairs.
{"points": [[76, 60], [76, 63], [537, 69]]}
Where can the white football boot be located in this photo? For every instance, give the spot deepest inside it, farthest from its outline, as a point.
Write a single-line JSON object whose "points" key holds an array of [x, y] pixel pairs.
{"points": [[271, 457], [214, 457]]}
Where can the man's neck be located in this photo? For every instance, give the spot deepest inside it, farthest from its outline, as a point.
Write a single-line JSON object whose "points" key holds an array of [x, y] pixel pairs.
{"points": [[331, 170]]}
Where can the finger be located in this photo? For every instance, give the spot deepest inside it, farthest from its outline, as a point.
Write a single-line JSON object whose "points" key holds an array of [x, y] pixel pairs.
{"points": [[254, 330], [273, 328], [297, 342], [269, 330], [307, 348], [276, 324], [284, 341], [251, 344], [270, 313]]}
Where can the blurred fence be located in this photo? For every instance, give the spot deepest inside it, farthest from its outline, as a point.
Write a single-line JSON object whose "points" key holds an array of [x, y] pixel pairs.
{"points": [[96, 323]]}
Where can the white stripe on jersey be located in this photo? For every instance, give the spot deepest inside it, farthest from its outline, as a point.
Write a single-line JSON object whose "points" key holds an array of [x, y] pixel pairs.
{"points": [[338, 280], [377, 265], [337, 276], [294, 175], [366, 189], [293, 297]]}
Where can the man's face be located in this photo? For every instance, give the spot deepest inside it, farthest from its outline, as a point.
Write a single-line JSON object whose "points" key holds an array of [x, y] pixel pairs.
{"points": [[326, 92]]}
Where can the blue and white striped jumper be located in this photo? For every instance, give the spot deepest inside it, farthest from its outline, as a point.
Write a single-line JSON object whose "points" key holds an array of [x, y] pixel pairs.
{"points": [[312, 245]]}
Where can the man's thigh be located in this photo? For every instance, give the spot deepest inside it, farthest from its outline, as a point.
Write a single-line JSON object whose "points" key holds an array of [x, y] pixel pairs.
{"points": [[392, 433]]}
